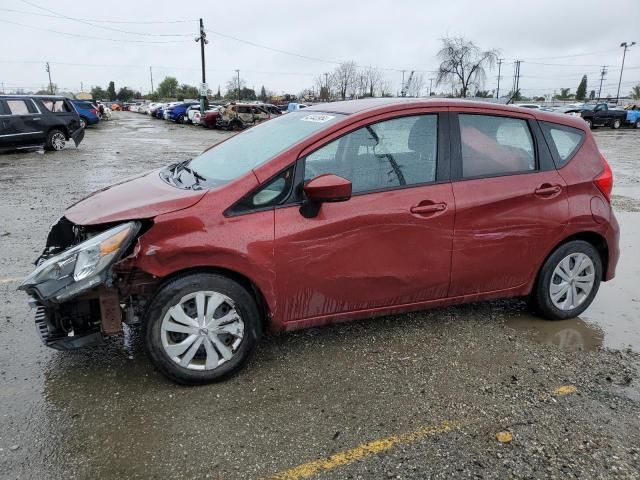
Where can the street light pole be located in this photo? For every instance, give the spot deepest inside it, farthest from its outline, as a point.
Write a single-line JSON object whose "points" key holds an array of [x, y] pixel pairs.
{"points": [[48, 69], [624, 53], [202, 38]]}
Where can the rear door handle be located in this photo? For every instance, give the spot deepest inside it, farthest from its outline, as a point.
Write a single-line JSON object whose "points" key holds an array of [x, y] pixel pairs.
{"points": [[422, 209], [546, 190]]}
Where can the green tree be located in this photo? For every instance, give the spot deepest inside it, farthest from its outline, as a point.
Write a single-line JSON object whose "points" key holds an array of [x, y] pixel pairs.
{"points": [[581, 91], [592, 94], [635, 92], [111, 91], [218, 95], [565, 94], [98, 93], [233, 85], [484, 94], [125, 94], [187, 91], [168, 88], [263, 94]]}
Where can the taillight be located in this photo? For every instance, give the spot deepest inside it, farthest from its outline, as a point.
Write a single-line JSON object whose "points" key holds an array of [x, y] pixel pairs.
{"points": [[94, 111], [604, 181]]}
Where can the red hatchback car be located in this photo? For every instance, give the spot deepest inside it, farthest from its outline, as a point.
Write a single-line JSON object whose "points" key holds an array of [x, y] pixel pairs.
{"points": [[341, 211]]}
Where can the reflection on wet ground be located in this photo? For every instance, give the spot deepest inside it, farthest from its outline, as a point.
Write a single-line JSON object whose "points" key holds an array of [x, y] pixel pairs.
{"points": [[573, 335]]}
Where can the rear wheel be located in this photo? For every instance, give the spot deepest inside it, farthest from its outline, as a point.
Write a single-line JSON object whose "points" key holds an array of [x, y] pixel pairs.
{"points": [[637, 124], [616, 124], [56, 140], [83, 122], [180, 119], [589, 123], [201, 328], [568, 281], [235, 125]]}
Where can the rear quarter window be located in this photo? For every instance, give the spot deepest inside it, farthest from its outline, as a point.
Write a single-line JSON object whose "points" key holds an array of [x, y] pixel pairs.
{"points": [[564, 141]]}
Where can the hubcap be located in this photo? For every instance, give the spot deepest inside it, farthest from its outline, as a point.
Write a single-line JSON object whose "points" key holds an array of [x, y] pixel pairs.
{"points": [[202, 331], [572, 281], [57, 141]]}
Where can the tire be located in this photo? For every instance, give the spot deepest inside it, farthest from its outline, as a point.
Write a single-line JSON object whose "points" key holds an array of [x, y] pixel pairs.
{"points": [[56, 140], [637, 124], [83, 122], [235, 125], [163, 333], [574, 253], [589, 123], [616, 124], [180, 119]]}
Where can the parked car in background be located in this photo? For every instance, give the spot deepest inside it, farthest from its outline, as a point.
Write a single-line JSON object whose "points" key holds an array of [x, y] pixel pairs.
{"points": [[601, 115], [34, 121], [292, 106], [210, 119], [532, 106], [237, 116], [88, 112], [191, 111], [342, 211], [178, 113]]}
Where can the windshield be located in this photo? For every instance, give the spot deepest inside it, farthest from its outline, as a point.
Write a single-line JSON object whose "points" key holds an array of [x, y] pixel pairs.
{"points": [[254, 146]]}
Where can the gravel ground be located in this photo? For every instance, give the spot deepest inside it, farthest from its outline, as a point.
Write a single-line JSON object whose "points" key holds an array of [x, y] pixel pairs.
{"points": [[484, 368]]}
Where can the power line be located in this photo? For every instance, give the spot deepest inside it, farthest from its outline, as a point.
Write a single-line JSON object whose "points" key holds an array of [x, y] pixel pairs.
{"points": [[572, 56], [77, 35], [91, 24], [130, 22]]}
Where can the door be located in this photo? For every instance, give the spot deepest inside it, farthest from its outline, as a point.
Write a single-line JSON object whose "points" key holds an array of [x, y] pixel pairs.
{"points": [[24, 124], [511, 203], [390, 244]]}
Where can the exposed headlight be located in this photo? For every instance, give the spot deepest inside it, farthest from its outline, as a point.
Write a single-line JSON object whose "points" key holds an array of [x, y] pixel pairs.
{"points": [[81, 267]]}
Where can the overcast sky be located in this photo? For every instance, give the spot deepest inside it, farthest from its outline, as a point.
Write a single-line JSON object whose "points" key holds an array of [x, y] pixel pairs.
{"points": [[571, 37]]}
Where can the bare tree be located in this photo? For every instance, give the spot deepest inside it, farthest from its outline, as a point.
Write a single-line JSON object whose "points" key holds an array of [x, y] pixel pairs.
{"points": [[233, 86], [373, 78], [386, 88], [343, 78], [416, 85], [321, 85], [463, 63]]}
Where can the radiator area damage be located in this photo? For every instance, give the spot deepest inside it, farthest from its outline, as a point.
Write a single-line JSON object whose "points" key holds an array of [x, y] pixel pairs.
{"points": [[79, 291]]}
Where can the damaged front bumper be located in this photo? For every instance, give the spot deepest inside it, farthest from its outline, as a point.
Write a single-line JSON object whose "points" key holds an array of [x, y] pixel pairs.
{"points": [[72, 289]]}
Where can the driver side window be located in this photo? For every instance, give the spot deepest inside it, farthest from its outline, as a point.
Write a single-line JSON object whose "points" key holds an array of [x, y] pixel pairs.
{"points": [[389, 154]]}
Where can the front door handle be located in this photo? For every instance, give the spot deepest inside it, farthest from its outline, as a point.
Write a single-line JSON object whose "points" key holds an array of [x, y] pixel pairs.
{"points": [[425, 209], [547, 190]]}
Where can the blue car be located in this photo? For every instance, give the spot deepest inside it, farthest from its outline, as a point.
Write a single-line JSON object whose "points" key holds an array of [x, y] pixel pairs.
{"points": [[178, 113], [88, 112]]}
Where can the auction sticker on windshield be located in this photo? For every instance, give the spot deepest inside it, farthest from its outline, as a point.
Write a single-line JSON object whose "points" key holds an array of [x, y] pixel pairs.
{"points": [[318, 118]]}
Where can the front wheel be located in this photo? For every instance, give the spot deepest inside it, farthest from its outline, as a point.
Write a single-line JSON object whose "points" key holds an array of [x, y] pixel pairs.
{"points": [[568, 281], [180, 119], [201, 328], [616, 124], [83, 122], [589, 123], [56, 140]]}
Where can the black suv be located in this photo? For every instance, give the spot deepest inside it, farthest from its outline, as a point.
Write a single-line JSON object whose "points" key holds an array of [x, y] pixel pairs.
{"points": [[38, 120]]}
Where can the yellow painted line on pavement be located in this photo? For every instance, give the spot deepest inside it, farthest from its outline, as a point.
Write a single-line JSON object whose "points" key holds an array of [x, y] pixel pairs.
{"points": [[10, 280], [565, 390], [307, 470]]}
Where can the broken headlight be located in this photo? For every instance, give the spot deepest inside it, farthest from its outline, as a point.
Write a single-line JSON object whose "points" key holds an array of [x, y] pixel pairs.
{"points": [[81, 267]]}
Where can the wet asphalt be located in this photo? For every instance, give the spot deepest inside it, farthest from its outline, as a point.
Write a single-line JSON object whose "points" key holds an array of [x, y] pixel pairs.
{"points": [[360, 400]]}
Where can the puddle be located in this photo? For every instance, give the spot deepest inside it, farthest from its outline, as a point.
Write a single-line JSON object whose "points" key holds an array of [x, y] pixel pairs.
{"points": [[613, 319], [574, 335]]}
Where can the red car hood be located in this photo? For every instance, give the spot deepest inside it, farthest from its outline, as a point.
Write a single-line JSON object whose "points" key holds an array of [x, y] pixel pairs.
{"points": [[144, 196]]}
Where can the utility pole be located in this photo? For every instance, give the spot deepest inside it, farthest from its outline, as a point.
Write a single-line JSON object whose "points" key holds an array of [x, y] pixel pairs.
{"points": [[603, 72], [402, 92], [326, 84], [48, 69], [516, 80], [202, 38], [151, 75], [430, 85], [81, 87], [238, 73], [500, 60], [624, 53]]}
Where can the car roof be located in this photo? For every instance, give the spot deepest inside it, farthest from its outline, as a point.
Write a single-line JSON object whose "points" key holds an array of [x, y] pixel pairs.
{"points": [[380, 105]]}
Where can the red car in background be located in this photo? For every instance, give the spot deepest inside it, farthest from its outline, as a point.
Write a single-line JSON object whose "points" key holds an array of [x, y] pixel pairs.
{"points": [[341, 211], [210, 118]]}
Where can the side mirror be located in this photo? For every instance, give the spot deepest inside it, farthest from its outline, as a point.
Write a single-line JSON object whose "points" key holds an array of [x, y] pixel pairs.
{"points": [[324, 188]]}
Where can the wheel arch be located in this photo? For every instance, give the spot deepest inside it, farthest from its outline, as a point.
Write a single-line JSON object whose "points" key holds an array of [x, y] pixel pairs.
{"points": [[62, 128], [594, 238], [243, 280]]}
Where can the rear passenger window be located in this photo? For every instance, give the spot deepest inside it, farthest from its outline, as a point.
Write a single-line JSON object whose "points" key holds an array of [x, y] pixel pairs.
{"points": [[390, 154], [18, 107], [56, 105], [565, 141], [493, 145]]}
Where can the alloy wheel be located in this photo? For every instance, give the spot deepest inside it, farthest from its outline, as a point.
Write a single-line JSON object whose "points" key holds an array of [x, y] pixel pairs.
{"points": [[202, 331], [572, 281], [58, 141]]}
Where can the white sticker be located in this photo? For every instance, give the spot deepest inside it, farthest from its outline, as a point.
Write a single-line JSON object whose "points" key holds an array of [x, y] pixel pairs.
{"points": [[318, 118]]}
